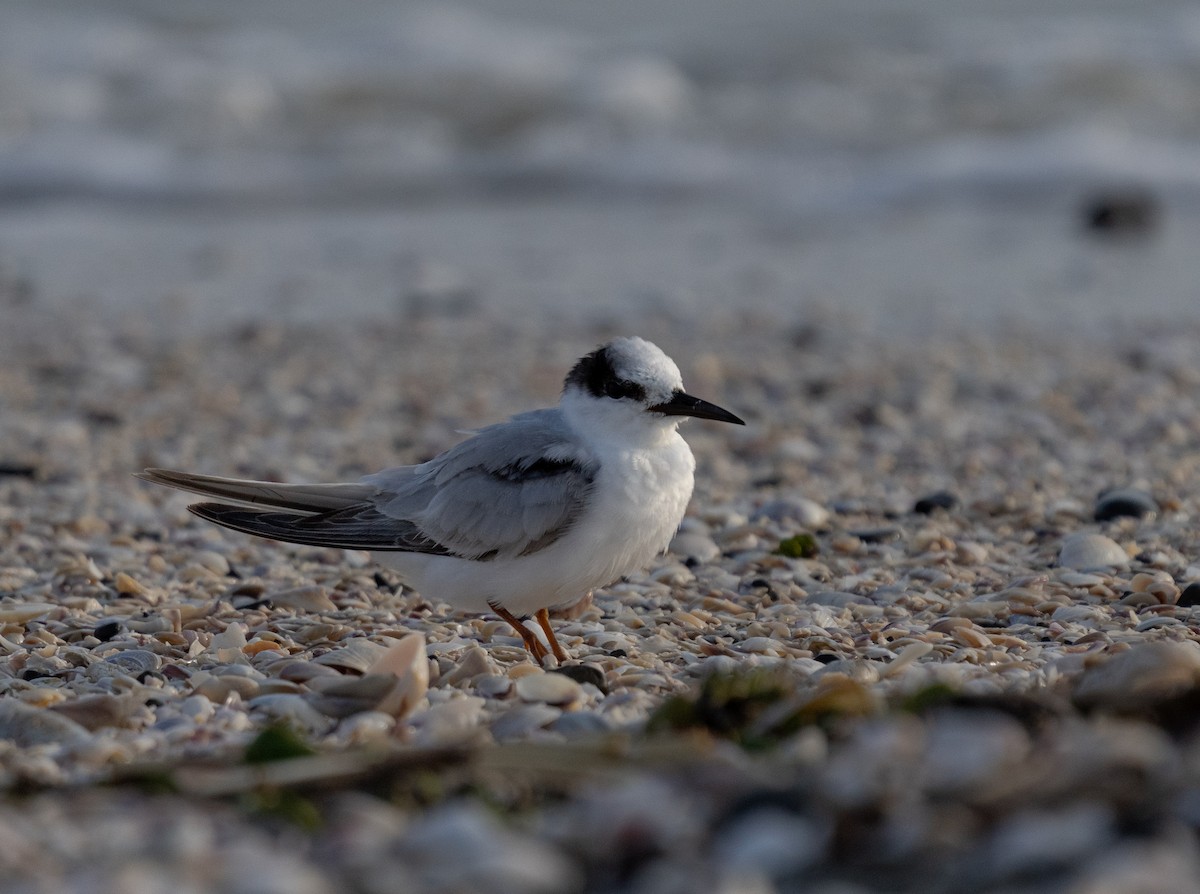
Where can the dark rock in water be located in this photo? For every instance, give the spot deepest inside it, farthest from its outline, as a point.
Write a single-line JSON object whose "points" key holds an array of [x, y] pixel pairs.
{"points": [[1190, 596], [583, 673], [941, 499], [1121, 213], [1124, 502]]}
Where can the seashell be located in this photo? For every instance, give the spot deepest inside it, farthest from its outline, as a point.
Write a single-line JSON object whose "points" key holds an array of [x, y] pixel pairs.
{"points": [[406, 661], [474, 661], [1085, 551], [27, 726], [351, 695], [291, 709], [449, 723], [135, 662], [698, 547], [94, 712], [19, 613], [365, 728], [218, 689], [128, 586], [298, 671], [493, 686], [357, 655], [1137, 679], [309, 599], [550, 689], [520, 722]]}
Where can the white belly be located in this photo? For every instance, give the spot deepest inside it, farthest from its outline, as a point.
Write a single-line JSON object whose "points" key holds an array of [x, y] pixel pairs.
{"points": [[636, 506]]}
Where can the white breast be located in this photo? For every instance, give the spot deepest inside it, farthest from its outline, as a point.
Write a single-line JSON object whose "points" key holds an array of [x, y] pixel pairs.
{"points": [[638, 501]]}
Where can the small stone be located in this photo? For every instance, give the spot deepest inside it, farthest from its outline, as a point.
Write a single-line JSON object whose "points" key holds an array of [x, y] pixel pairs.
{"points": [[583, 673], [884, 534], [550, 689], [106, 630], [1190, 596], [1085, 551], [941, 499], [1125, 502]]}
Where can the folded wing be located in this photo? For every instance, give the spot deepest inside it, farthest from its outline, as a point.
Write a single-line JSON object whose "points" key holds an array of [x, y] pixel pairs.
{"points": [[508, 491]]}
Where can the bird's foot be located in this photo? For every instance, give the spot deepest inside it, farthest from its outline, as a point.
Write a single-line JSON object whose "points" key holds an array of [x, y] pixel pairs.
{"points": [[532, 644]]}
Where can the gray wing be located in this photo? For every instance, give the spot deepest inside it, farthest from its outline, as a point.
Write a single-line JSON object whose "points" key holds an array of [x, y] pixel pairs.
{"points": [[510, 490]]}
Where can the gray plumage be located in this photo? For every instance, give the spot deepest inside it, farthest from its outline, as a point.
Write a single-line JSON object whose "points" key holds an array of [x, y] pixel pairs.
{"points": [[510, 490]]}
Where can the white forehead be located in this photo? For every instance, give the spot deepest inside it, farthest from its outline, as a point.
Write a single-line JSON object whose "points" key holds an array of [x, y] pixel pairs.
{"points": [[637, 360]]}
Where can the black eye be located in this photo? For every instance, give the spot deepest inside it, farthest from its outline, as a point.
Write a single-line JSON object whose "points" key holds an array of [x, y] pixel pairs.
{"points": [[618, 389]]}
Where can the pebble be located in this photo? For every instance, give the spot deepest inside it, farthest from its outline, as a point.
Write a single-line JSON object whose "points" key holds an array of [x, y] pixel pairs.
{"points": [[1125, 502], [588, 674], [941, 499], [1088, 552], [1190, 597]]}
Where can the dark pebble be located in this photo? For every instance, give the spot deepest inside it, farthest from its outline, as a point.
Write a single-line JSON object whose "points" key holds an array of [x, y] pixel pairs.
{"points": [[583, 673], [1190, 596], [877, 535], [17, 470], [941, 499], [1125, 502], [107, 630]]}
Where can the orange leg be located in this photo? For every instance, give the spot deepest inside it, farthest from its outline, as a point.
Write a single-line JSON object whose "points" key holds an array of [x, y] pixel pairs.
{"points": [[543, 618], [532, 643]]}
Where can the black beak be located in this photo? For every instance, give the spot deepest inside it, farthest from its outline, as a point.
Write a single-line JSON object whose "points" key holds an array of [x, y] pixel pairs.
{"points": [[682, 404]]}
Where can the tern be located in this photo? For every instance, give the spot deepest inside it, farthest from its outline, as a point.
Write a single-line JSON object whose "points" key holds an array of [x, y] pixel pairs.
{"points": [[523, 516]]}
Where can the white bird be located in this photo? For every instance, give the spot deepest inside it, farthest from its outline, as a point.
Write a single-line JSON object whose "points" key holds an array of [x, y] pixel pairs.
{"points": [[523, 516]]}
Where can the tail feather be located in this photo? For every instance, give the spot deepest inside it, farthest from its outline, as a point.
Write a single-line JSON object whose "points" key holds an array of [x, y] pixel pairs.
{"points": [[293, 497]]}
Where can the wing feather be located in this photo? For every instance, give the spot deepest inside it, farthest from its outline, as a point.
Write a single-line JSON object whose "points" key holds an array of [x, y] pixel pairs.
{"points": [[508, 491]]}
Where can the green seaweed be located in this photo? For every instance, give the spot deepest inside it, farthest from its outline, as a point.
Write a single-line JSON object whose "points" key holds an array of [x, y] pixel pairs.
{"points": [[798, 546]]}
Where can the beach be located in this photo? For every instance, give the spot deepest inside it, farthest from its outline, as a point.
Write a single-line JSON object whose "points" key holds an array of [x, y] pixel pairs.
{"points": [[932, 620]]}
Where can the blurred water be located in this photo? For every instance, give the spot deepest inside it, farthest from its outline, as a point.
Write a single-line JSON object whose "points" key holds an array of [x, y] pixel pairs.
{"points": [[909, 161]]}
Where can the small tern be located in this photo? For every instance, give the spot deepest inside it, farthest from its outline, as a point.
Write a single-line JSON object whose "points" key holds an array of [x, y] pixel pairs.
{"points": [[523, 516]]}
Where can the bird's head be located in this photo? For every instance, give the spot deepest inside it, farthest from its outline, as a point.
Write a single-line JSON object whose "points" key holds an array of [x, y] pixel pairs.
{"points": [[629, 385]]}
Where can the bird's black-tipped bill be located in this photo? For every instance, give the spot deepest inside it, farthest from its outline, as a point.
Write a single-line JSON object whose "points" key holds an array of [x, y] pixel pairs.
{"points": [[682, 404]]}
